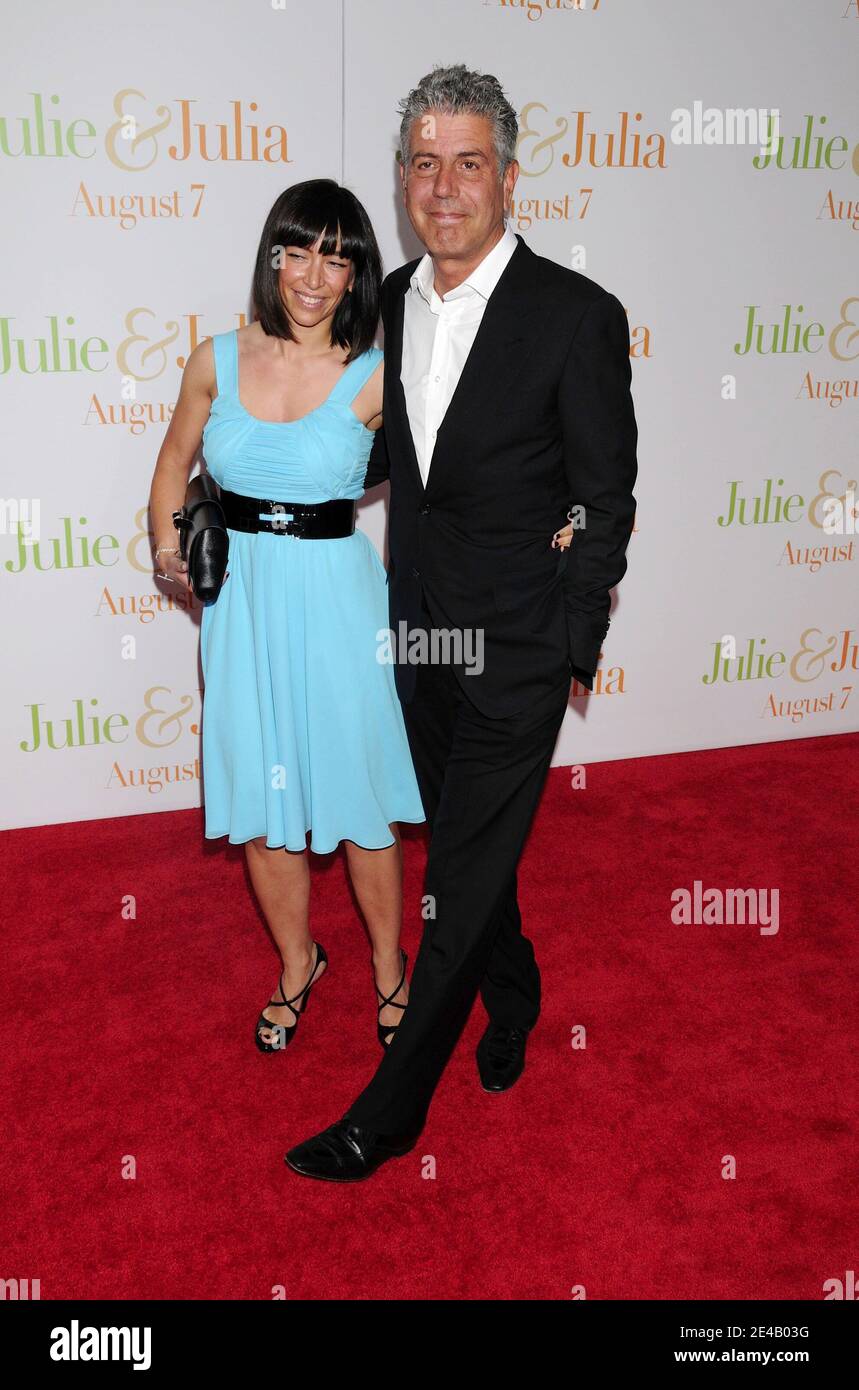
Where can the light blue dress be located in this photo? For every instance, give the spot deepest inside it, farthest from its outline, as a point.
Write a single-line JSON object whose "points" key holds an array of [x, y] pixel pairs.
{"points": [[302, 727]]}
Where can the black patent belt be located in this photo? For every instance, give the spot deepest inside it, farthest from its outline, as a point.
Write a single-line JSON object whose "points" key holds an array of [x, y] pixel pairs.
{"points": [[314, 521]]}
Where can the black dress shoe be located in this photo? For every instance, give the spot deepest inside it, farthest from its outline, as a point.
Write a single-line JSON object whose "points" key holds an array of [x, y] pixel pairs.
{"points": [[501, 1057], [347, 1153]]}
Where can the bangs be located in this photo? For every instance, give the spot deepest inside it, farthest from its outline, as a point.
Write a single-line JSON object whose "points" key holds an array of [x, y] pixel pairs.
{"points": [[327, 214]]}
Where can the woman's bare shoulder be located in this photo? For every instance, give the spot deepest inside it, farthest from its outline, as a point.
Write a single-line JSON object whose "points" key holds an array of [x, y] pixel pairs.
{"points": [[199, 373]]}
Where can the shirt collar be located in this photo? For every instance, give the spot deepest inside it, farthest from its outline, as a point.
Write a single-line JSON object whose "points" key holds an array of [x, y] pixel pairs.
{"points": [[482, 279]]}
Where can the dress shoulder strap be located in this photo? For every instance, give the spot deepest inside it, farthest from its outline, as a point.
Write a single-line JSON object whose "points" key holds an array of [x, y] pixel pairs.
{"points": [[356, 375], [226, 349]]}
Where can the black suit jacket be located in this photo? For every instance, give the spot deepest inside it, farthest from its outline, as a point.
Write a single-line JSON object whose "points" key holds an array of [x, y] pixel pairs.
{"points": [[542, 418]]}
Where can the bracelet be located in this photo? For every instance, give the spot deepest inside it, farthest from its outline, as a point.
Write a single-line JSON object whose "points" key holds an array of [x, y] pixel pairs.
{"points": [[167, 550]]}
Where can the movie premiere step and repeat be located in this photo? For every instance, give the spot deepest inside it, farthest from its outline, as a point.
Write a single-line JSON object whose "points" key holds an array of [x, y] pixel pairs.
{"points": [[699, 161]]}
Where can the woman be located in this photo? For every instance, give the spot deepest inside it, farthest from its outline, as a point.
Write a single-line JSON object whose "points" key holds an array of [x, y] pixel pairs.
{"points": [[302, 727]]}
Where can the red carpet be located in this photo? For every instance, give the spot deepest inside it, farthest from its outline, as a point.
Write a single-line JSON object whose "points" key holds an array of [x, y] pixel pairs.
{"points": [[602, 1168]]}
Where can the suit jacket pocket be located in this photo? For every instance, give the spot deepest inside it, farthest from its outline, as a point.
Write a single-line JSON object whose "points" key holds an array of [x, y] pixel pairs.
{"points": [[519, 588], [534, 400]]}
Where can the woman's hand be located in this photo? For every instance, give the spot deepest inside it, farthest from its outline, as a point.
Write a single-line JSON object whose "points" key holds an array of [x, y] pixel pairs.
{"points": [[562, 540], [172, 567]]}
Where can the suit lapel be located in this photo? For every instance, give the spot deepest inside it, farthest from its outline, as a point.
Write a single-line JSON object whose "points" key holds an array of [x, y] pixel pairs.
{"points": [[491, 367], [490, 361], [399, 421]]}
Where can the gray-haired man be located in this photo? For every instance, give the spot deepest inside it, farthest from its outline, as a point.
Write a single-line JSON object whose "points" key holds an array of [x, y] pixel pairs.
{"points": [[506, 399]]}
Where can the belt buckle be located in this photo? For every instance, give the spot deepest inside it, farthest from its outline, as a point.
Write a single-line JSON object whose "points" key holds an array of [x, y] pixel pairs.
{"points": [[280, 518]]}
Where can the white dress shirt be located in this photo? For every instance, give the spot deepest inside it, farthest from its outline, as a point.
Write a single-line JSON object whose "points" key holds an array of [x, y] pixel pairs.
{"points": [[437, 337]]}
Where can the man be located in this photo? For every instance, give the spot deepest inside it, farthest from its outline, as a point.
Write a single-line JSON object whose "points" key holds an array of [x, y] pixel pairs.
{"points": [[506, 399]]}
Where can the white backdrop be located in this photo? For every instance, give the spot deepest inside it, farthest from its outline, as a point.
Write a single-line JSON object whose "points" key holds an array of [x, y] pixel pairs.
{"points": [[120, 254]]}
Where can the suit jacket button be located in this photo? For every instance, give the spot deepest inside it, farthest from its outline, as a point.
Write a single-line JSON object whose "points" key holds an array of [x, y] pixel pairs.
{"points": [[416, 574], [425, 511]]}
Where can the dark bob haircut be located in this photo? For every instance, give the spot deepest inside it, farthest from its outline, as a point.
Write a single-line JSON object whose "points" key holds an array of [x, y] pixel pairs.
{"points": [[300, 216]]}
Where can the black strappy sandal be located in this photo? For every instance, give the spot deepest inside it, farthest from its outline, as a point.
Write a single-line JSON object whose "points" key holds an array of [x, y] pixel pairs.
{"points": [[383, 1029], [282, 1034]]}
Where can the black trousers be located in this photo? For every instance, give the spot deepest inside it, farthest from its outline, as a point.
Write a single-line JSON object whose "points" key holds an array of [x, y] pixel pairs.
{"points": [[480, 781]]}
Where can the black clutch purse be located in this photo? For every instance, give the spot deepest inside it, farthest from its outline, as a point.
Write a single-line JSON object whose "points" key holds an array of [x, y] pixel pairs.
{"points": [[203, 540]]}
